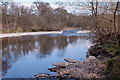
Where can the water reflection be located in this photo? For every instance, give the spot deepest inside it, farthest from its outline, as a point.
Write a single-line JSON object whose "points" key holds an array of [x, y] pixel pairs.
{"points": [[28, 55]]}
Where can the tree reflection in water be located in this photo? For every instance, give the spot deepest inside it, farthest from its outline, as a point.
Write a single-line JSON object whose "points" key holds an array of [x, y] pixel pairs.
{"points": [[15, 47]]}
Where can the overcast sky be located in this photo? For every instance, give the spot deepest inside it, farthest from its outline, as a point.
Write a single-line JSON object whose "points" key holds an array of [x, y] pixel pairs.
{"points": [[51, 2], [53, 5], [60, 0], [28, 2]]}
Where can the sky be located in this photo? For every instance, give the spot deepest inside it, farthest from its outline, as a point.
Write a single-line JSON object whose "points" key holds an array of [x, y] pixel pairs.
{"points": [[51, 2], [28, 2], [53, 5], [61, 0]]}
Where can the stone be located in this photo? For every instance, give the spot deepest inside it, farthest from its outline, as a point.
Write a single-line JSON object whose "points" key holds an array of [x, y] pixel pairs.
{"points": [[54, 69], [89, 68], [61, 64], [91, 57], [63, 72], [42, 75], [92, 75], [71, 60]]}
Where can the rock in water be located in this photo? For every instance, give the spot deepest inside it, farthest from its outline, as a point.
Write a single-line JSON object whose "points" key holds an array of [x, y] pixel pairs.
{"points": [[61, 64], [91, 57], [63, 72], [71, 60], [42, 75], [54, 69]]}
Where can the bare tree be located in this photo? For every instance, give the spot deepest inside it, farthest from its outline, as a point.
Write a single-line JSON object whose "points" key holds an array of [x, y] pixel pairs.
{"points": [[4, 14], [115, 13]]}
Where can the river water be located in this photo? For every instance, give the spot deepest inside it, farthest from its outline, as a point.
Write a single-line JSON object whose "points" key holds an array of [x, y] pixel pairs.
{"points": [[25, 56]]}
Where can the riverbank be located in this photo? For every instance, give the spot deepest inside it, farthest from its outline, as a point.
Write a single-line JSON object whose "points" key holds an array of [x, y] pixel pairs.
{"points": [[89, 68], [103, 62], [109, 54]]}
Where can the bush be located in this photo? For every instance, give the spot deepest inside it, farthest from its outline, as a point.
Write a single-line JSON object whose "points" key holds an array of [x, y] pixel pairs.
{"points": [[113, 48], [19, 30], [7, 31], [113, 67]]}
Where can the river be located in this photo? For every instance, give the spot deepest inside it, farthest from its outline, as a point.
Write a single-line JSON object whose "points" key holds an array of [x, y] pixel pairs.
{"points": [[25, 56]]}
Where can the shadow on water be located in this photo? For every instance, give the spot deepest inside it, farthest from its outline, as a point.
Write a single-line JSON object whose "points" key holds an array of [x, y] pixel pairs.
{"points": [[24, 56]]}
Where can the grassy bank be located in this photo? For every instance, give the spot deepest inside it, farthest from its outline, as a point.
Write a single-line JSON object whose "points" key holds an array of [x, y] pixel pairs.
{"points": [[109, 54], [37, 29], [113, 67]]}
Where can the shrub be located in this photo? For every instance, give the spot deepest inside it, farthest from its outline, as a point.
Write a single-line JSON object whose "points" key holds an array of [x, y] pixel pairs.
{"points": [[113, 67]]}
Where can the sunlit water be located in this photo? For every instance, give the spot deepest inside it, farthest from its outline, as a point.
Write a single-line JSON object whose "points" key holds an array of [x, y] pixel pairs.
{"points": [[25, 56]]}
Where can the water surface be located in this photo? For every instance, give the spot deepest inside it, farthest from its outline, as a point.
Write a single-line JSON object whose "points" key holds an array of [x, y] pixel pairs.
{"points": [[25, 56]]}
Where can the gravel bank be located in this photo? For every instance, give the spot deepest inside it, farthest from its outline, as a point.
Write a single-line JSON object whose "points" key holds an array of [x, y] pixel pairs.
{"points": [[90, 68]]}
